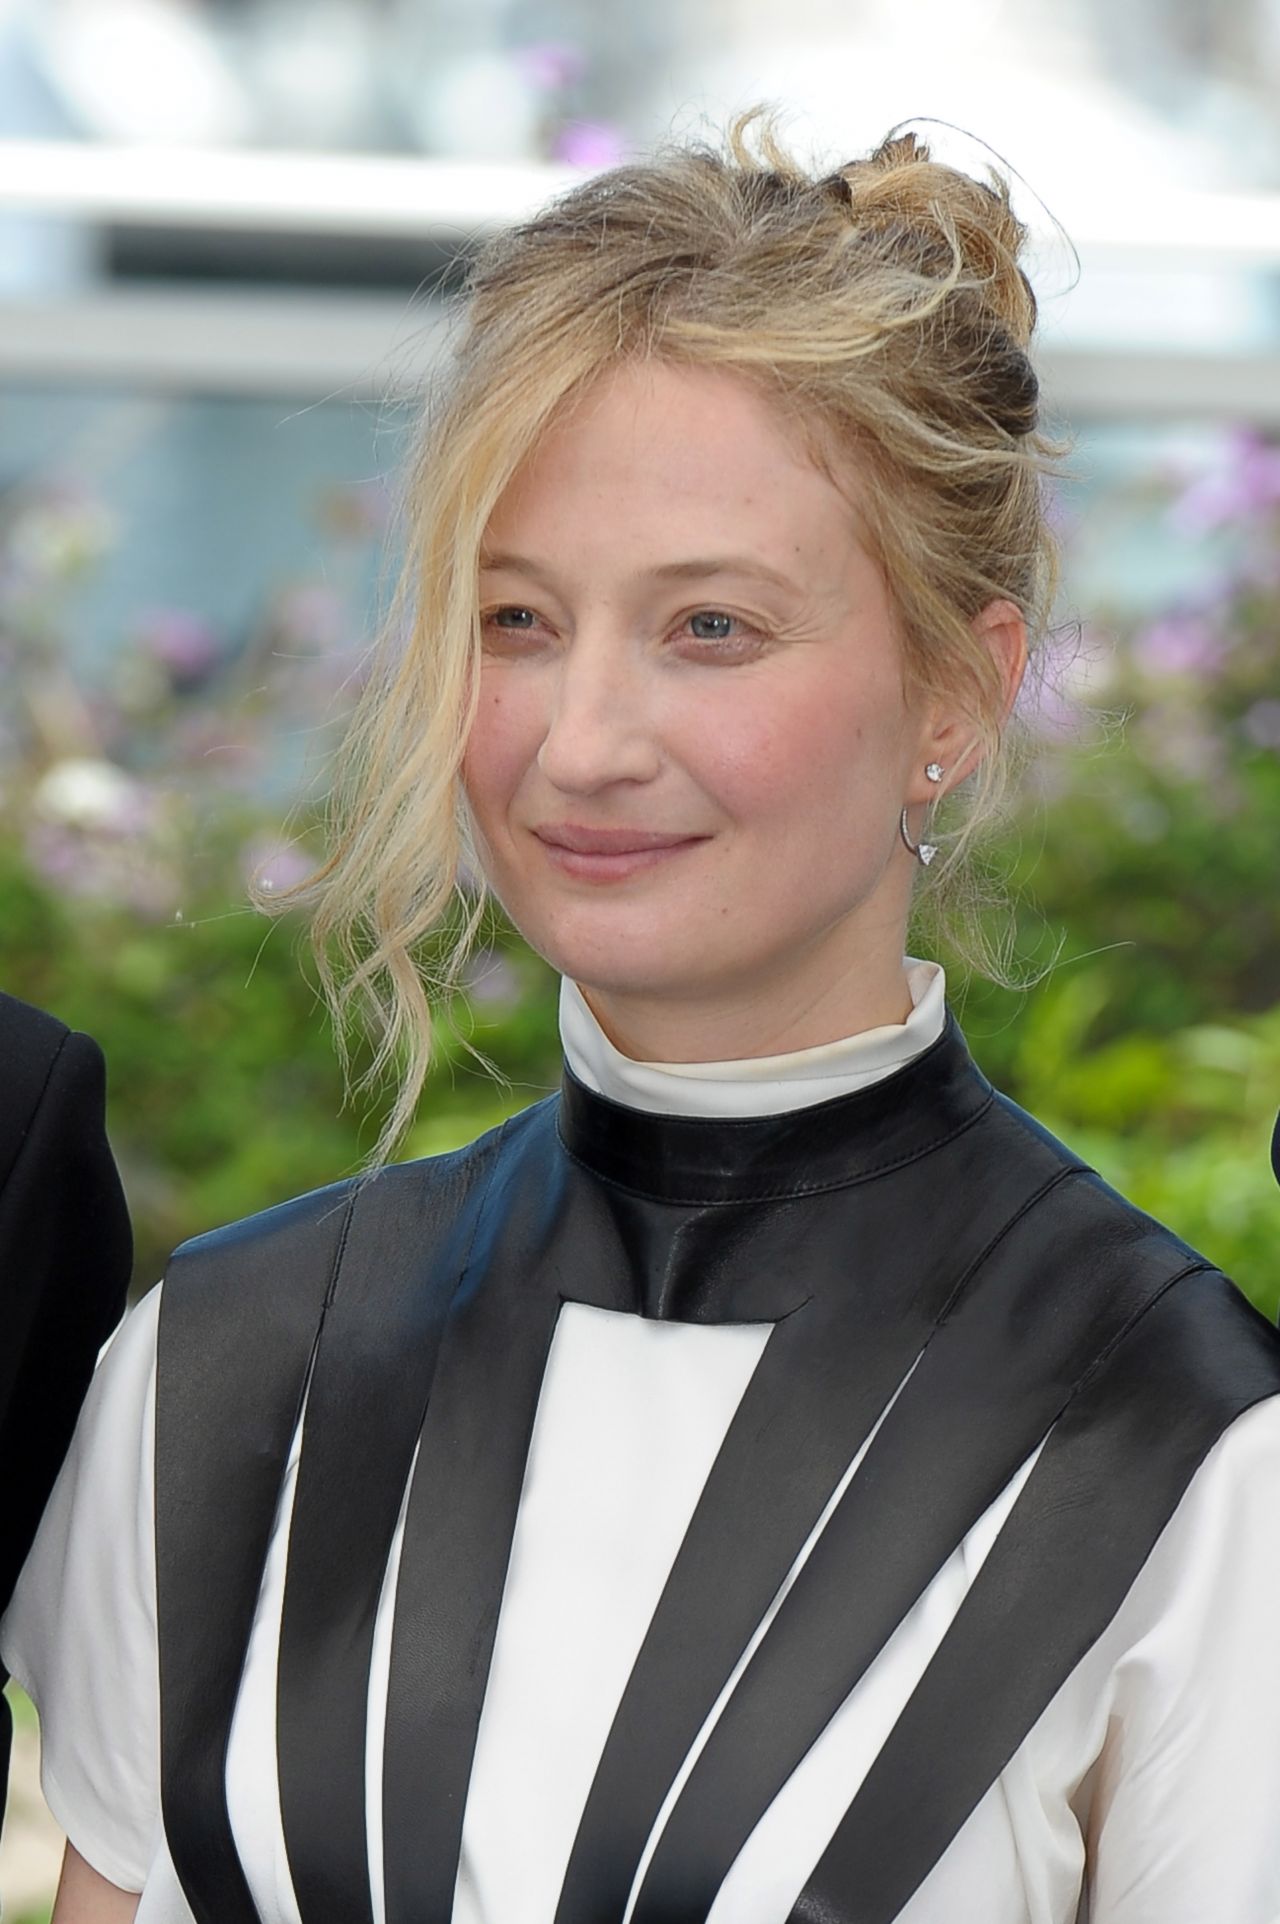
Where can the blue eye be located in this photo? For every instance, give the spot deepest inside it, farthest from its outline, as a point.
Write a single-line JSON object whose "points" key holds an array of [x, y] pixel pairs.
{"points": [[709, 625], [513, 617]]}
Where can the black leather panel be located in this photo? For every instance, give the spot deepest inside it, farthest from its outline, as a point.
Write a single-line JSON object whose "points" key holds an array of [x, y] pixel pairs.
{"points": [[252, 1296], [1103, 1488], [460, 1523], [882, 1270], [407, 1247], [1057, 1291]]}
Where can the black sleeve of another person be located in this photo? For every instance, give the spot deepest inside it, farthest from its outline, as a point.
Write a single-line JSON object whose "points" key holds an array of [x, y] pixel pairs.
{"points": [[65, 1256]]}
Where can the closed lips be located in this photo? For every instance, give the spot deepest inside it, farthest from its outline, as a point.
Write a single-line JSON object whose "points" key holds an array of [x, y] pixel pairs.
{"points": [[610, 841]]}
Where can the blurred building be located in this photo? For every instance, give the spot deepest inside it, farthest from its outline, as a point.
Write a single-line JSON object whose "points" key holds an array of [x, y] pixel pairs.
{"points": [[226, 226]]}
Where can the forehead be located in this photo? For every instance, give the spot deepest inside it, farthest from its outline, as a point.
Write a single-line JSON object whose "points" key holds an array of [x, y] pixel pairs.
{"points": [[649, 452]]}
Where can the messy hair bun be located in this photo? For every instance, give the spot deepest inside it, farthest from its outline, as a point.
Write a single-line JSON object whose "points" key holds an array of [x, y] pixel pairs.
{"points": [[883, 305], [938, 209], [939, 222]]}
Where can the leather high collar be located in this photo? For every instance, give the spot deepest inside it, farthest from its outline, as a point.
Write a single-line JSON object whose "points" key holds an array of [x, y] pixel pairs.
{"points": [[829, 1145]]}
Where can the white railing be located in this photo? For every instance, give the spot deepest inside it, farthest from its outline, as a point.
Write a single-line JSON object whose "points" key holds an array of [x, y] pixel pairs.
{"points": [[296, 343], [376, 195], [342, 194]]}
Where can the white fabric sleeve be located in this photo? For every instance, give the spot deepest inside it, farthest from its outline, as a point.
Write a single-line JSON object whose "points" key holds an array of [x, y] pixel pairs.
{"points": [[1184, 1822], [80, 1633]]}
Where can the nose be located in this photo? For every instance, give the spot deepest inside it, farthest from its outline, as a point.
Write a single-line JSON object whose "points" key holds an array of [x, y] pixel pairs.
{"points": [[600, 724]]}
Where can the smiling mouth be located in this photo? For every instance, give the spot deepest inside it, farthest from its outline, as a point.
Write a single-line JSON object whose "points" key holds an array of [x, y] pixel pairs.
{"points": [[611, 841], [610, 854]]}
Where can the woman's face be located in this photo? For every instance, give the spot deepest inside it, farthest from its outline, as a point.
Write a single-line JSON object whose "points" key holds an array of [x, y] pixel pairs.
{"points": [[692, 742]]}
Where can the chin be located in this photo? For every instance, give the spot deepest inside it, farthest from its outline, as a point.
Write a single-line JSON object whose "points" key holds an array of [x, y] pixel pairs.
{"points": [[628, 977], [626, 968]]}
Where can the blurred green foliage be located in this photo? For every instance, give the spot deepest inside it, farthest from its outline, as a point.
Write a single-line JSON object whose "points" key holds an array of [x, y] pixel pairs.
{"points": [[1143, 847], [25, 1721], [225, 1091]]}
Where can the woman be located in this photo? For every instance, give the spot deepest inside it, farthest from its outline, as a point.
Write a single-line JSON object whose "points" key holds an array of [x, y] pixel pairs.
{"points": [[774, 1479]]}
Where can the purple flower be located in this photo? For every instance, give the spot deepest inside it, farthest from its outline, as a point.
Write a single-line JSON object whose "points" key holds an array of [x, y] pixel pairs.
{"points": [[181, 642], [588, 143], [1180, 644], [1054, 701], [1245, 486], [275, 865], [1050, 712], [552, 64]]}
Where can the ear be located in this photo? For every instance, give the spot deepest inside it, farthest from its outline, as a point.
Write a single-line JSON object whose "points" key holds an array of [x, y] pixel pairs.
{"points": [[1001, 628]]}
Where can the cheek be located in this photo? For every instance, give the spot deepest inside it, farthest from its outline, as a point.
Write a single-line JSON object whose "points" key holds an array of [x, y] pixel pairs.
{"points": [[785, 760], [500, 748]]}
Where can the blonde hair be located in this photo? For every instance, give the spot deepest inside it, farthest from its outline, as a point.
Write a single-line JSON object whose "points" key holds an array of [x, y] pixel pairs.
{"points": [[882, 305]]}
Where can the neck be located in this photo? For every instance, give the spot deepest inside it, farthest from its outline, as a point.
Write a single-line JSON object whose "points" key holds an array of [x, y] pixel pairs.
{"points": [[762, 1022]]}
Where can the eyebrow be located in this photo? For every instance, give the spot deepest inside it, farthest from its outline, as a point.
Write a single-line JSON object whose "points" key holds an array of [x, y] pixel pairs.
{"points": [[697, 568]]}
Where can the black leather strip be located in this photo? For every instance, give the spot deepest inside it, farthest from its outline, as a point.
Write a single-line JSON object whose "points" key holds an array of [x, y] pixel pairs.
{"points": [[461, 1520], [882, 1271], [407, 1247], [226, 1411], [1070, 1276], [1109, 1478]]}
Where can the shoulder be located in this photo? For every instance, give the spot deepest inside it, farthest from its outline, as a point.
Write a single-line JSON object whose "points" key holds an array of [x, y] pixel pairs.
{"points": [[33, 1043], [1212, 1576], [30, 1045], [1080, 1194], [397, 1199], [1243, 1469], [1212, 1345], [25, 1027], [55, 1082], [66, 1246]]}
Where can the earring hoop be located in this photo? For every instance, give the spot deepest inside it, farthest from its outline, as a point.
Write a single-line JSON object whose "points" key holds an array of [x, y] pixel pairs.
{"points": [[924, 852]]}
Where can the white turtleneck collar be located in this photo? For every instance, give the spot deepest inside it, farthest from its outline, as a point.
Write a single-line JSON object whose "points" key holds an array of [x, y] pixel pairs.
{"points": [[759, 1085]]}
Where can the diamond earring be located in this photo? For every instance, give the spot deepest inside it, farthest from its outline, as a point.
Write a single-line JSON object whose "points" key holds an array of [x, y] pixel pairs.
{"points": [[924, 852]]}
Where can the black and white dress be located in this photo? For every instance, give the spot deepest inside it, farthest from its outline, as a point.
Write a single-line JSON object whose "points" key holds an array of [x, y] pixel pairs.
{"points": [[780, 1490]]}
